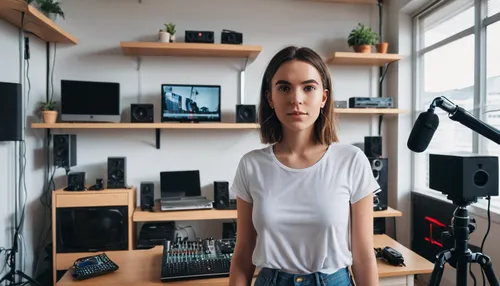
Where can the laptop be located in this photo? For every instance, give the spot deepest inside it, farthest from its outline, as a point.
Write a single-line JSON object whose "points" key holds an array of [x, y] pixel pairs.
{"points": [[181, 190]]}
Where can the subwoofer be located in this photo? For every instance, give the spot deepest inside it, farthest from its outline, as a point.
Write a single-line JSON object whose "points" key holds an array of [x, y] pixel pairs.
{"points": [[10, 112], [117, 173]]}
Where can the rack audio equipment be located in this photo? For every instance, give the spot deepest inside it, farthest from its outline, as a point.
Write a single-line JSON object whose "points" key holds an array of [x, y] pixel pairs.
{"points": [[202, 258]]}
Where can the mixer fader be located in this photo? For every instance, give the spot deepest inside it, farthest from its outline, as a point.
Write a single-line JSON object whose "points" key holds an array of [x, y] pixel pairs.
{"points": [[202, 258]]}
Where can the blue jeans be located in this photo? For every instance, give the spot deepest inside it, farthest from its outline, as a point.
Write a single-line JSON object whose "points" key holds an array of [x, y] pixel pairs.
{"points": [[273, 277]]}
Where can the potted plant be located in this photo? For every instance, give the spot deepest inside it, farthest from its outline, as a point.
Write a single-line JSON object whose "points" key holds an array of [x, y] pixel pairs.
{"points": [[49, 112], [382, 47], [163, 36], [362, 38], [170, 28], [51, 8]]}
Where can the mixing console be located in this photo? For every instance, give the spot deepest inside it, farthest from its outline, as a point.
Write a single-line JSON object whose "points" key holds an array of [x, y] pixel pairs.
{"points": [[202, 258]]}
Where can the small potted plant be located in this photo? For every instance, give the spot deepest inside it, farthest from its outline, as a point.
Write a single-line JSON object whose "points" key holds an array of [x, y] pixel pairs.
{"points": [[163, 36], [50, 8], [48, 111], [170, 28], [362, 38]]}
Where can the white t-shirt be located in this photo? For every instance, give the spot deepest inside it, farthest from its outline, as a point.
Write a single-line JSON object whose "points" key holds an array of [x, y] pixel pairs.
{"points": [[302, 216]]}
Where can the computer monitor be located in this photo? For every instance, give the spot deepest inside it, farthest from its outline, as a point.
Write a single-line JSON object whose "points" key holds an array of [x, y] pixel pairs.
{"points": [[190, 103], [180, 183]]}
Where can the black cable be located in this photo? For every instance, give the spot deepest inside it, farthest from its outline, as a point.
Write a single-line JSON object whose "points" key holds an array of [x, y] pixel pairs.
{"points": [[486, 234]]}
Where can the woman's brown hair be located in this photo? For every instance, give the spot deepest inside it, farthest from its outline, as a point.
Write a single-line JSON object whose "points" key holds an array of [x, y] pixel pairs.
{"points": [[325, 131]]}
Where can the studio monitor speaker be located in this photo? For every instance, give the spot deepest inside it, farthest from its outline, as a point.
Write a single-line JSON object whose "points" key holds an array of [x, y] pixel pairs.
{"points": [[373, 146], [117, 172], [147, 195], [64, 151], [246, 113], [10, 111], [141, 113], [221, 195]]}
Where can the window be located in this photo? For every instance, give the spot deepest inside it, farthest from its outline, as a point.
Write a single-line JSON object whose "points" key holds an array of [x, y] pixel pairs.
{"points": [[445, 53]]}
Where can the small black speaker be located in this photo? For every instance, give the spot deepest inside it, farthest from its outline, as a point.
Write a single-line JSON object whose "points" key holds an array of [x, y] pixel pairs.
{"points": [[147, 195], [229, 230], [10, 111], [462, 177], [117, 173], [246, 113], [76, 182], [373, 146], [141, 113], [380, 169], [64, 152], [199, 37], [221, 195]]}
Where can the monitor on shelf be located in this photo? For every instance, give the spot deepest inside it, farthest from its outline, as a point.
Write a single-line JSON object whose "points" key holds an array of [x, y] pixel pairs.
{"points": [[190, 103], [90, 101]]}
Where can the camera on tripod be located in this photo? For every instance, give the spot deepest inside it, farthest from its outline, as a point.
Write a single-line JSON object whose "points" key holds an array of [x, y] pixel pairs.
{"points": [[464, 177]]}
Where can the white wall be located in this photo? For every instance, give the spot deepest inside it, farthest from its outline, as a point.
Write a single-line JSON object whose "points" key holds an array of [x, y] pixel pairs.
{"points": [[100, 26]]}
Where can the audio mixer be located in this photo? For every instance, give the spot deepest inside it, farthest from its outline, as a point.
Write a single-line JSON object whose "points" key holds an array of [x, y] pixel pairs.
{"points": [[202, 258]]}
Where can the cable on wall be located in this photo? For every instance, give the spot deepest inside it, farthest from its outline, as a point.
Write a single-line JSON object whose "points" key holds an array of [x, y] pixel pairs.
{"points": [[381, 69]]}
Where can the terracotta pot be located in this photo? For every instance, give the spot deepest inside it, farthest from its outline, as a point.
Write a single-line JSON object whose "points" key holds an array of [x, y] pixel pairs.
{"points": [[49, 116], [382, 48], [363, 49]]}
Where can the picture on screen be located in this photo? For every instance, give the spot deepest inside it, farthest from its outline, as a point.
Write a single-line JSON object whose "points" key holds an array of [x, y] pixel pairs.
{"points": [[186, 103]]}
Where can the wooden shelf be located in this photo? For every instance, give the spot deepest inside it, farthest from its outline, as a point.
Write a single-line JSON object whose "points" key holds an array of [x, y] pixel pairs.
{"points": [[189, 50], [372, 59], [34, 22], [213, 214], [145, 126], [389, 212], [389, 111]]}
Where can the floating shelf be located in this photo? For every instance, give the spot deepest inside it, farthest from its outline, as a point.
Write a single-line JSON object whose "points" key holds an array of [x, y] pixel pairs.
{"points": [[388, 111], [209, 214], [156, 126], [371, 59], [189, 50], [34, 22], [351, 1], [145, 126]]}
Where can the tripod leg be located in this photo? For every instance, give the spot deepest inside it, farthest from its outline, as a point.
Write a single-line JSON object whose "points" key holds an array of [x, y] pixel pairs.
{"points": [[437, 273], [485, 262], [20, 273]]}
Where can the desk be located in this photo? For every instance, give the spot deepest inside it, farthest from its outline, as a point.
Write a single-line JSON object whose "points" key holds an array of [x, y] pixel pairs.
{"points": [[142, 267]]}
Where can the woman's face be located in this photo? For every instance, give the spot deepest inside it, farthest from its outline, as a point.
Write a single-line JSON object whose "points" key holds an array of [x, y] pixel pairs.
{"points": [[297, 95]]}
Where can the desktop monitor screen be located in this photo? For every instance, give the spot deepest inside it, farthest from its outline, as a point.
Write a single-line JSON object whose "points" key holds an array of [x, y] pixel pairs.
{"points": [[184, 183], [187, 103]]}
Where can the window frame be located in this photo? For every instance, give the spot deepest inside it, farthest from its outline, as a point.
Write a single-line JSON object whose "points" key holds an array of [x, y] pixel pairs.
{"points": [[480, 24]]}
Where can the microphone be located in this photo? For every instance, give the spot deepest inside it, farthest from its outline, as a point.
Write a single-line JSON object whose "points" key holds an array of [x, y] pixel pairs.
{"points": [[423, 130], [427, 123]]}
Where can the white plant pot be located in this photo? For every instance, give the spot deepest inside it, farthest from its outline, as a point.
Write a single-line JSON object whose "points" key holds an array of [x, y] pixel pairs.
{"points": [[164, 37]]}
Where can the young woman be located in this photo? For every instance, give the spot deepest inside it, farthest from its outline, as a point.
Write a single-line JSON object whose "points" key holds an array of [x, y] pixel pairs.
{"points": [[305, 203]]}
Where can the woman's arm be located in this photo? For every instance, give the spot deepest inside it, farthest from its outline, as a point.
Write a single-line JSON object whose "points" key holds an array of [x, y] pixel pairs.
{"points": [[242, 268], [364, 262]]}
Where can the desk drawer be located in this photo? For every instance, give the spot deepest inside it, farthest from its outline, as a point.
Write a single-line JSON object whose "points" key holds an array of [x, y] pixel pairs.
{"points": [[91, 200]]}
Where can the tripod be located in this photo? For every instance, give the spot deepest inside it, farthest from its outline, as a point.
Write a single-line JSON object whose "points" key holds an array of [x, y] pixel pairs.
{"points": [[10, 276], [460, 256]]}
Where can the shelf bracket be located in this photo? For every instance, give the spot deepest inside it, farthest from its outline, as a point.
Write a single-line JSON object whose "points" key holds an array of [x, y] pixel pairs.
{"points": [[139, 63], [158, 138]]}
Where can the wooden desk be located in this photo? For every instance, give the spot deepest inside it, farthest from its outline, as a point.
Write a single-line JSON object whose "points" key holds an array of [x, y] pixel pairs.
{"points": [[210, 214], [142, 267]]}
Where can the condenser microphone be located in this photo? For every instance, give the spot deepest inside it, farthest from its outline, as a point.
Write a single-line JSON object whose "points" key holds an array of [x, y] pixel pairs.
{"points": [[423, 130]]}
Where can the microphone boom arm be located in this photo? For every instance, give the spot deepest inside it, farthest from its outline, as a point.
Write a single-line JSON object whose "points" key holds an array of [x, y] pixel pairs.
{"points": [[464, 117]]}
